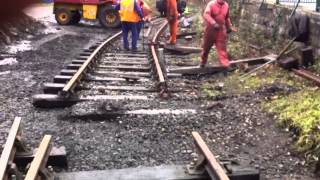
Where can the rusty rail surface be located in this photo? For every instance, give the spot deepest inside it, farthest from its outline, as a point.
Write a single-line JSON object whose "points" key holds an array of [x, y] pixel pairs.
{"points": [[77, 76], [308, 75], [160, 74]]}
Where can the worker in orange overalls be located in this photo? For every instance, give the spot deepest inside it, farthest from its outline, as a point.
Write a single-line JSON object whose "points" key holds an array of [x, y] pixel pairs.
{"points": [[130, 14], [216, 16], [172, 17]]}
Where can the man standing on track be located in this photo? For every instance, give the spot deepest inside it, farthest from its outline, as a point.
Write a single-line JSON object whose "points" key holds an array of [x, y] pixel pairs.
{"points": [[130, 14], [172, 17], [216, 16]]}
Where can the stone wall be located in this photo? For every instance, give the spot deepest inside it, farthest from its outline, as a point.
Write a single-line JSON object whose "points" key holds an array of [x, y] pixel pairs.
{"points": [[273, 20]]}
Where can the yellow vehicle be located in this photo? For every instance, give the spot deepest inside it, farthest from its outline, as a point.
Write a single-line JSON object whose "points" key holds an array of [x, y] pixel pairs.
{"points": [[69, 12]]}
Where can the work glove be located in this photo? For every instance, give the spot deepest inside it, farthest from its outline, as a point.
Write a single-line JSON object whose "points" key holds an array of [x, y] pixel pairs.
{"points": [[232, 29]]}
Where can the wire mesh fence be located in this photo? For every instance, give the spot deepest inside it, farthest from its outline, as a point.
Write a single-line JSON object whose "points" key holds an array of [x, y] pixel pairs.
{"points": [[312, 3]]}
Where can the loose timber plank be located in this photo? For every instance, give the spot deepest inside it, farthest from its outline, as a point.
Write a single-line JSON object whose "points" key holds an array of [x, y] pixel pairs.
{"points": [[197, 70], [211, 160], [7, 152], [184, 49]]}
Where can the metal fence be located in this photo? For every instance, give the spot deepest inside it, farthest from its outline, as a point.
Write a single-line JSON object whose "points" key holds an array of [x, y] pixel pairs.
{"points": [[295, 1], [317, 2]]}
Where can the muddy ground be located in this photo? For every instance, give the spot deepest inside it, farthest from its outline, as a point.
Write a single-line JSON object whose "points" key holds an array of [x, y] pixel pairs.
{"points": [[233, 126]]}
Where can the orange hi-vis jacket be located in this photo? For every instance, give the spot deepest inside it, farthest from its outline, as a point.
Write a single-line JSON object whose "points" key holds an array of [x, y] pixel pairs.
{"points": [[127, 12]]}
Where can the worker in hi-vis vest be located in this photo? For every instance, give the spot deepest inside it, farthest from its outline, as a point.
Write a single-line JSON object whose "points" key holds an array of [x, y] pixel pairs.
{"points": [[130, 14]]}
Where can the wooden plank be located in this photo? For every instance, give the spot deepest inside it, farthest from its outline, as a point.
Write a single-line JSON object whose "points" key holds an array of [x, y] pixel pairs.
{"points": [[126, 68], [125, 54], [8, 149], [211, 160], [40, 158], [255, 60], [183, 49], [197, 70], [77, 75], [120, 79], [120, 73], [126, 62], [124, 88], [120, 58]]}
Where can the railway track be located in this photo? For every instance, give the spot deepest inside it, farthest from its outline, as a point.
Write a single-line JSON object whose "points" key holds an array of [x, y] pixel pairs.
{"points": [[16, 156], [39, 164], [104, 72]]}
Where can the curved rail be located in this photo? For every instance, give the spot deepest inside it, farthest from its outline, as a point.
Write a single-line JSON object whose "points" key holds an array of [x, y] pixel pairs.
{"points": [[78, 75], [308, 75], [160, 74]]}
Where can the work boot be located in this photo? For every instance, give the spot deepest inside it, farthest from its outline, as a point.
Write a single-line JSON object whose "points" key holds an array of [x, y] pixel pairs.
{"points": [[202, 63], [134, 49], [169, 42], [225, 64]]}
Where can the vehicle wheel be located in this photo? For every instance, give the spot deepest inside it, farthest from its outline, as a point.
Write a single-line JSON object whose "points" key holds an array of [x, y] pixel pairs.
{"points": [[76, 17], [109, 17], [63, 16]]}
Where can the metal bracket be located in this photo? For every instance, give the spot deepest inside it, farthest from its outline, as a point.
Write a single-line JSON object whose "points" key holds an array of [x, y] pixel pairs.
{"points": [[14, 172], [198, 168]]}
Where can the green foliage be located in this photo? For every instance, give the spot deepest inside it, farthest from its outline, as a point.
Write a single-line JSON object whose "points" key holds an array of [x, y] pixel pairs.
{"points": [[210, 91], [235, 84], [316, 66], [301, 111]]}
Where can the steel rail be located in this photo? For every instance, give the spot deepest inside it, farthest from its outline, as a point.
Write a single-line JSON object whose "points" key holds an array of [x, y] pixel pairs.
{"points": [[213, 164], [308, 75], [40, 159], [154, 53], [9, 150], [77, 76]]}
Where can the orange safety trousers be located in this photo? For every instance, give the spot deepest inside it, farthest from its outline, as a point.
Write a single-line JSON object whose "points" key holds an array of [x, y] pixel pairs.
{"points": [[172, 16], [217, 38], [216, 12], [173, 25]]}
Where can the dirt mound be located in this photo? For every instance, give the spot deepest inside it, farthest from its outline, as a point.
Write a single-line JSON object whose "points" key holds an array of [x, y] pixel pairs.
{"points": [[14, 24], [17, 28], [12, 9]]}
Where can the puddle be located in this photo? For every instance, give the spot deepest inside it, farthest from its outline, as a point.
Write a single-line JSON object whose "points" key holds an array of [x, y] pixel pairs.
{"points": [[20, 46], [8, 61], [50, 30], [5, 72]]}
